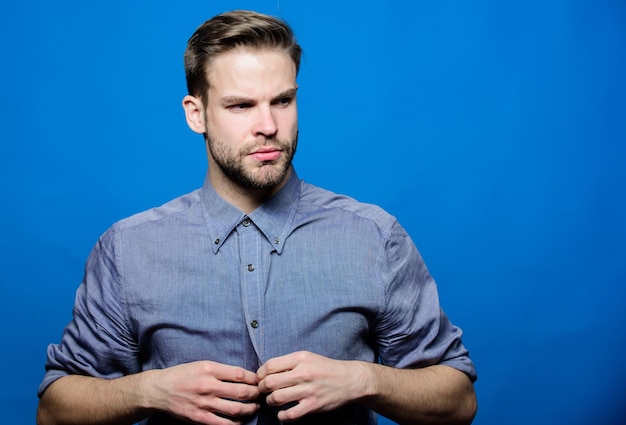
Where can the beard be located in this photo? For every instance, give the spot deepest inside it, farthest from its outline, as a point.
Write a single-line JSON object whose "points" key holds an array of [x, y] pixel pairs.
{"points": [[267, 175]]}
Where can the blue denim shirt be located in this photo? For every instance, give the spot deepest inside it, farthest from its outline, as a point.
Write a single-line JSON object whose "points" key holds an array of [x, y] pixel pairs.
{"points": [[196, 279]]}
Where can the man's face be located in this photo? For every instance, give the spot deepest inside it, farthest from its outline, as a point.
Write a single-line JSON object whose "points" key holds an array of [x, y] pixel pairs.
{"points": [[251, 118]]}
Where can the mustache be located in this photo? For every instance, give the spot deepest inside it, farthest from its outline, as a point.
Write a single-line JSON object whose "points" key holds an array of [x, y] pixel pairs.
{"points": [[285, 145], [264, 144]]}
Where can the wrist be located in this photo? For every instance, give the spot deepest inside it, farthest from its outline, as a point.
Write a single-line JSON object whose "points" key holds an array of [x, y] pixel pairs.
{"points": [[144, 390], [367, 380]]}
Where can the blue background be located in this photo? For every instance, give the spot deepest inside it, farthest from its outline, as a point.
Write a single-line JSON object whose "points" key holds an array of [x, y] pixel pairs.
{"points": [[494, 131]]}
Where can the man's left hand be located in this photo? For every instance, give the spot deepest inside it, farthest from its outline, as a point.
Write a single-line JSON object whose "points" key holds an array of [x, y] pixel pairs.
{"points": [[304, 383]]}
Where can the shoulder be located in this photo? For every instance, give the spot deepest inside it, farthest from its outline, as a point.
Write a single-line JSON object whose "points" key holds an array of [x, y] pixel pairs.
{"points": [[314, 198], [185, 208]]}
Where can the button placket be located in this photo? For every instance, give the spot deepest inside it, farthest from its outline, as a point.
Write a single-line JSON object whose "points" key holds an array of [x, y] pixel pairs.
{"points": [[253, 251]]}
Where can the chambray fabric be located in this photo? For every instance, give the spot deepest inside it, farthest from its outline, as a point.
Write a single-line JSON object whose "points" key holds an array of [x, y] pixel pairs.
{"points": [[196, 279]]}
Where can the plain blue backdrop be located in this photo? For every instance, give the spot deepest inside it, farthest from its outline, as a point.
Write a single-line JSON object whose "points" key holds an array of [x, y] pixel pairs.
{"points": [[494, 131]]}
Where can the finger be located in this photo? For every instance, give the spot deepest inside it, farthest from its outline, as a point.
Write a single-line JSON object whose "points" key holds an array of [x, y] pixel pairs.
{"points": [[232, 409], [229, 373], [279, 364], [292, 411], [277, 381], [235, 391], [202, 416], [275, 365], [285, 397]]}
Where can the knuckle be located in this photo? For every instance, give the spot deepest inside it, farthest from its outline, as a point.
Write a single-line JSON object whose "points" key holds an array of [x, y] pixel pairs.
{"points": [[269, 366], [278, 399], [271, 400], [240, 374], [289, 415], [267, 384], [243, 393], [303, 374], [206, 368], [235, 409]]}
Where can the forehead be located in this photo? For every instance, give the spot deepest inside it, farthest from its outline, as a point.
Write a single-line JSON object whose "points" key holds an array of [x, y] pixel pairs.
{"points": [[248, 72]]}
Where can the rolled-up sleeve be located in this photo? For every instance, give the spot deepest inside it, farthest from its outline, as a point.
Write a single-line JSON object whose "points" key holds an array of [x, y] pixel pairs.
{"points": [[412, 330], [97, 342]]}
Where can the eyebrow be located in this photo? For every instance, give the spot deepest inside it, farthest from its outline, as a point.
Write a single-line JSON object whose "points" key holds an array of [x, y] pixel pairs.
{"points": [[235, 100], [287, 93]]}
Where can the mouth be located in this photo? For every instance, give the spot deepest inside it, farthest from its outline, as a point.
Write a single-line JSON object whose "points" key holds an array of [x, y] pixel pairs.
{"points": [[266, 154]]}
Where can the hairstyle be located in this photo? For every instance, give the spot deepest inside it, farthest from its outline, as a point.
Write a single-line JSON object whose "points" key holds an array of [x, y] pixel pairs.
{"points": [[231, 30]]}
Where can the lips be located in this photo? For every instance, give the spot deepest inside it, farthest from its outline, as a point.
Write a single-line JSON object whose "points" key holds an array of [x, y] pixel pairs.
{"points": [[266, 154]]}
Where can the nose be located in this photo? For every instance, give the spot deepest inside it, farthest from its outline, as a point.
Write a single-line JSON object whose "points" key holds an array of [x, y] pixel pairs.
{"points": [[265, 122]]}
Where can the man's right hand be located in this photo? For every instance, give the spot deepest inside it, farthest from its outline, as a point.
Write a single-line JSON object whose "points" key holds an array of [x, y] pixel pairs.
{"points": [[202, 392], [205, 392]]}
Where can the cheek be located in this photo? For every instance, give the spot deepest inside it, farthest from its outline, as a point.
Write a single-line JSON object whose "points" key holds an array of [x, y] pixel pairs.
{"points": [[289, 122], [229, 128]]}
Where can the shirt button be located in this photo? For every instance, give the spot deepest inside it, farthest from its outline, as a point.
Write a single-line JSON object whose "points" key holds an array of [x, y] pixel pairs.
{"points": [[250, 267], [246, 222], [254, 324]]}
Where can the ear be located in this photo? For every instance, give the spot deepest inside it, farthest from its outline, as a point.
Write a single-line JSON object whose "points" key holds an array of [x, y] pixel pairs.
{"points": [[194, 113]]}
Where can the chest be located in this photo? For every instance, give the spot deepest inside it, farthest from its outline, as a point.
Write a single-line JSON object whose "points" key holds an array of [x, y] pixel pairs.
{"points": [[249, 302]]}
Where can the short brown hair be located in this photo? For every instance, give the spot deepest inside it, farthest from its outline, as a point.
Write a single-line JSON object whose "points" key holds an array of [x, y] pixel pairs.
{"points": [[230, 30]]}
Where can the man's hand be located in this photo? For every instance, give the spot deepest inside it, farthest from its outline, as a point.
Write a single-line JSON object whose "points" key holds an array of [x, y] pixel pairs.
{"points": [[303, 383], [206, 392], [202, 392], [310, 383]]}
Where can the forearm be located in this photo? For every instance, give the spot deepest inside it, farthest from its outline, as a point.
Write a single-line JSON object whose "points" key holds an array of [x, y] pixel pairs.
{"points": [[432, 395], [198, 392], [85, 400]]}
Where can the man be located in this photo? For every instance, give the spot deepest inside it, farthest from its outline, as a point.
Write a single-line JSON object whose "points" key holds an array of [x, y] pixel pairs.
{"points": [[258, 298]]}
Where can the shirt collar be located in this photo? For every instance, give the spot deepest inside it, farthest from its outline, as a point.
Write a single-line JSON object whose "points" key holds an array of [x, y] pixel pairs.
{"points": [[274, 218]]}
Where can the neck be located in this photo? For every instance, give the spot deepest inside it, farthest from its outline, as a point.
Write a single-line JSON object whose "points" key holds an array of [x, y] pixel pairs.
{"points": [[243, 198]]}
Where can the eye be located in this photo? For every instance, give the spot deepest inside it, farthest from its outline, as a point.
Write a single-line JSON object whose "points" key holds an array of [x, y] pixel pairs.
{"points": [[284, 101], [239, 106]]}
